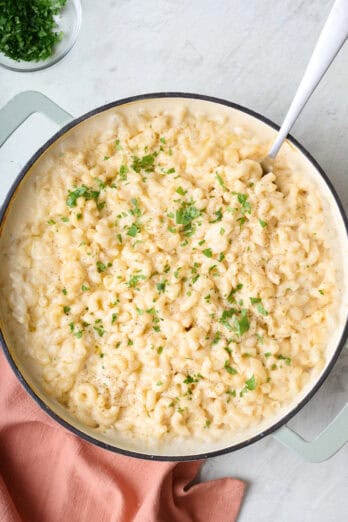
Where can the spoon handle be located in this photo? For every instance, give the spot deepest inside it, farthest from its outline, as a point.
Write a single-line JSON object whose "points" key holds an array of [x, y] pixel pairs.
{"points": [[331, 39]]}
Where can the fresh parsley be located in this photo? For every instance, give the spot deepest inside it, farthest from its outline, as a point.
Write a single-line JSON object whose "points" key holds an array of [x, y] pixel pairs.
{"points": [[134, 280], [133, 230], [229, 369], [81, 192], [146, 163]]}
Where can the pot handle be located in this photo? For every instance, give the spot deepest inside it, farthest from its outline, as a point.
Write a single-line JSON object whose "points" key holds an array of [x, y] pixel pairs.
{"points": [[324, 446], [23, 105]]}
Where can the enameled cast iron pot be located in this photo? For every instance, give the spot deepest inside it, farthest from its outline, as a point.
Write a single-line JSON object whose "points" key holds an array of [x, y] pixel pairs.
{"points": [[329, 441]]}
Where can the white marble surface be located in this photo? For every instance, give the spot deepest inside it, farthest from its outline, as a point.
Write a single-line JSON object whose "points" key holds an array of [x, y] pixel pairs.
{"points": [[252, 53]]}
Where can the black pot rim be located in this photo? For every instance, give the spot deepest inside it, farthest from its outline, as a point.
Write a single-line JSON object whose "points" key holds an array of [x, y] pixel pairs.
{"points": [[208, 454]]}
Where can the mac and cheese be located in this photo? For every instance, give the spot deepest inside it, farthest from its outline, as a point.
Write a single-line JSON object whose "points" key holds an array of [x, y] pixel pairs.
{"points": [[162, 287]]}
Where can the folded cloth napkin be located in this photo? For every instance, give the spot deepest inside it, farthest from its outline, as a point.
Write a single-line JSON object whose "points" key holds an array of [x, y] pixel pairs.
{"points": [[48, 474]]}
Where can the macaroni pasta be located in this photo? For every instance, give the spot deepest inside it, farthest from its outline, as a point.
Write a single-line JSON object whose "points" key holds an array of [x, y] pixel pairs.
{"points": [[162, 287]]}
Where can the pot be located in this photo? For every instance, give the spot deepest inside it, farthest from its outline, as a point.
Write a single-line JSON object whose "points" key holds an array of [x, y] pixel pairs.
{"points": [[22, 106]]}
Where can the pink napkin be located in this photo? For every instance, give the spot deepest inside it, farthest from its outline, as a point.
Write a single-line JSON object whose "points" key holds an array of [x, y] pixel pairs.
{"points": [[48, 474]]}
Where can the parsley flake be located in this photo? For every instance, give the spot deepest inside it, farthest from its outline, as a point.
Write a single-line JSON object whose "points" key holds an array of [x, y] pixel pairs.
{"points": [[133, 230], [231, 371]]}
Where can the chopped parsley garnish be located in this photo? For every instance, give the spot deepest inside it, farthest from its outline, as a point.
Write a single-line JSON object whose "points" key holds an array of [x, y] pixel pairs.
{"points": [[134, 280], [189, 230], [98, 327], [221, 257], [229, 368], [113, 318], [262, 223], [283, 358], [221, 181], [117, 145], [160, 350], [66, 309], [135, 211], [226, 315], [207, 423], [321, 292], [259, 338], [250, 385], [242, 325], [193, 379], [28, 30], [218, 215], [133, 230], [101, 183], [216, 338], [159, 383], [186, 213], [123, 172], [213, 270], [119, 237], [106, 158], [176, 273], [222, 231], [101, 267], [163, 140], [51, 222], [241, 221], [231, 392], [243, 200], [155, 319], [161, 287], [146, 163], [208, 252], [81, 192], [84, 288], [230, 297], [267, 354], [181, 191], [64, 291], [260, 308]]}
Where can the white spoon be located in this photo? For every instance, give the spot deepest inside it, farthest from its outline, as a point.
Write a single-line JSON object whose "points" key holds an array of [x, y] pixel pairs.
{"points": [[331, 39]]}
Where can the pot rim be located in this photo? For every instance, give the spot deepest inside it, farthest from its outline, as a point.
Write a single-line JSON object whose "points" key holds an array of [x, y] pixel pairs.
{"points": [[129, 453]]}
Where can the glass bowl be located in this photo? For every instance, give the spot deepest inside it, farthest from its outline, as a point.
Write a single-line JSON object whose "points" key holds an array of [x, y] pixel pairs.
{"points": [[68, 21]]}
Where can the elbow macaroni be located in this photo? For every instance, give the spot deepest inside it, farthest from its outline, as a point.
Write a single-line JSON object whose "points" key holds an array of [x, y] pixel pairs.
{"points": [[162, 287]]}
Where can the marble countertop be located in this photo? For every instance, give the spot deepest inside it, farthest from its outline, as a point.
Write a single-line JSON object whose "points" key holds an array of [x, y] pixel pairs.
{"points": [[252, 53]]}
